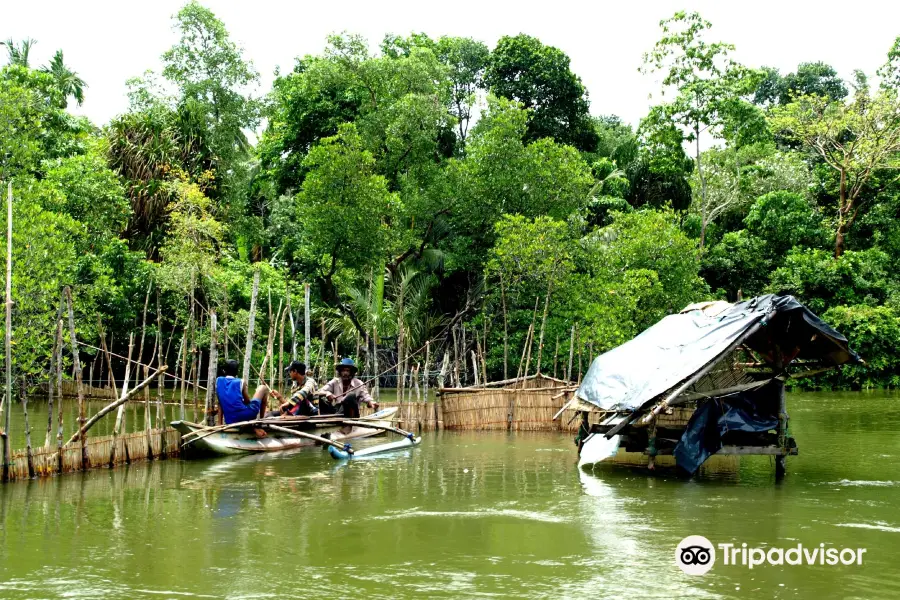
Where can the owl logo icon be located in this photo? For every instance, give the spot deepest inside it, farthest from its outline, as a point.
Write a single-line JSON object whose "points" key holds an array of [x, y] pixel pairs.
{"points": [[695, 555]]}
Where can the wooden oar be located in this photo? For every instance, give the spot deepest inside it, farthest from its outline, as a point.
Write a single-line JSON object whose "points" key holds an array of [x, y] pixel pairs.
{"points": [[342, 447], [202, 431], [406, 434]]}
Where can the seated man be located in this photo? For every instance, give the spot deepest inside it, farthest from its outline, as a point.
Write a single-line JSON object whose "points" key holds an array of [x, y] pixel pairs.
{"points": [[301, 401], [235, 403], [345, 391]]}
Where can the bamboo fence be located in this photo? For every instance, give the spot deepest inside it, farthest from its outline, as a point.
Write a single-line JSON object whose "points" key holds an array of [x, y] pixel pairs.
{"points": [[130, 447]]}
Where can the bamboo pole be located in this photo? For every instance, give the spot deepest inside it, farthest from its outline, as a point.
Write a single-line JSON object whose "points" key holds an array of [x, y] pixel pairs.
{"points": [[248, 353], [7, 452], [455, 359], [445, 366], [50, 380], [505, 330], [475, 367], [543, 325], [463, 362], [120, 414], [556, 356], [160, 382], [73, 340], [137, 373], [180, 361], [210, 381], [571, 354], [375, 371], [484, 377], [107, 358], [425, 374], [306, 330], [59, 377], [29, 454], [114, 405], [281, 350]]}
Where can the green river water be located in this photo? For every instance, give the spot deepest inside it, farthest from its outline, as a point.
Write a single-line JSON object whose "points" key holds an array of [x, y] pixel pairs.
{"points": [[465, 515]]}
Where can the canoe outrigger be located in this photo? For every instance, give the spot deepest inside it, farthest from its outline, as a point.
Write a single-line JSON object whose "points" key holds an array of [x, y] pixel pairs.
{"points": [[241, 440]]}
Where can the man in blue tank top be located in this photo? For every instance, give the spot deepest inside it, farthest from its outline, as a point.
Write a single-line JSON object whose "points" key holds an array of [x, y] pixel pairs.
{"points": [[235, 402]]}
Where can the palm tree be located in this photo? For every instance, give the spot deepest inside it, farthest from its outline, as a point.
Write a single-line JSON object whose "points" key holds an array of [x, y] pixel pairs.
{"points": [[18, 53], [67, 81]]}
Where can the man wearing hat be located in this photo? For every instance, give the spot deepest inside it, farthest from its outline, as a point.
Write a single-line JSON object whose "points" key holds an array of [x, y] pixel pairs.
{"points": [[300, 402], [345, 391]]}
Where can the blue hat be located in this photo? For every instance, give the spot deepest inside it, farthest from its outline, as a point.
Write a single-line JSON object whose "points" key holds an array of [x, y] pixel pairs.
{"points": [[347, 362]]}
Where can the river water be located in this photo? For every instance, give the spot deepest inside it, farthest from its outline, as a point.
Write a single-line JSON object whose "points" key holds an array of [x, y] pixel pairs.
{"points": [[464, 515]]}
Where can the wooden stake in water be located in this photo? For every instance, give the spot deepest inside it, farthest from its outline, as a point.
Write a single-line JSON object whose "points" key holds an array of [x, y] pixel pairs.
{"points": [[52, 375], [505, 330], [425, 371], [306, 332], [120, 414], [211, 376], [375, 363], [7, 453], [281, 351], [543, 325], [571, 354], [78, 379], [248, 353], [59, 378]]}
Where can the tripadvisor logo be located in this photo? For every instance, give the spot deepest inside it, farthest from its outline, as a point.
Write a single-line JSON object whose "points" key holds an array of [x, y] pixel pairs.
{"points": [[696, 555]]}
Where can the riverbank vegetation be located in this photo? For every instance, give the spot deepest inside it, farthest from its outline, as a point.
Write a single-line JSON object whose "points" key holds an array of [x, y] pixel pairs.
{"points": [[439, 189]]}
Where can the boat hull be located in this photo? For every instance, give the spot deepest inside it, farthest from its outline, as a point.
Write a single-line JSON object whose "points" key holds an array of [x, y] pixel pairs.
{"points": [[244, 442]]}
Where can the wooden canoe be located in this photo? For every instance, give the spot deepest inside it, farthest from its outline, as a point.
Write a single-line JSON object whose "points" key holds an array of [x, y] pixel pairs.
{"points": [[244, 441]]}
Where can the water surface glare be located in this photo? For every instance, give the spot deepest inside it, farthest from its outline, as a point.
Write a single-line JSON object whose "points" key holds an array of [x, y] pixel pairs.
{"points": [[465, 515]]}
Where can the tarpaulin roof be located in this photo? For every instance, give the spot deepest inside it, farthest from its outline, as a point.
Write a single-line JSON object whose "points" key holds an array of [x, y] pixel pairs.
{"points": [[656, 361]]}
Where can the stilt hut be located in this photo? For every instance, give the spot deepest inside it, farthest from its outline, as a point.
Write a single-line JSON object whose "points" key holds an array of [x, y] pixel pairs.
{"points": [[706, 381]]}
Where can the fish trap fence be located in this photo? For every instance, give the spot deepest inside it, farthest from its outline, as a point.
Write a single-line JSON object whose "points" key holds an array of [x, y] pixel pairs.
{"points": [[130, 447], [528, 409]]}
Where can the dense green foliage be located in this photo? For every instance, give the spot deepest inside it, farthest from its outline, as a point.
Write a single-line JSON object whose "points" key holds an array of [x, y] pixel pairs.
{"points": [[438, 189]]}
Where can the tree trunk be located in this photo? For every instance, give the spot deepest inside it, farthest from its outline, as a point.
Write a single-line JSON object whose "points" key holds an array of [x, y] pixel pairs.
{"points": [[211, 376], [843, 222]]}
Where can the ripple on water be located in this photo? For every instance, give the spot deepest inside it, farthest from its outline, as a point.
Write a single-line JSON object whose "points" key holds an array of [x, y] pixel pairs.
{"points": [[878, 525]]}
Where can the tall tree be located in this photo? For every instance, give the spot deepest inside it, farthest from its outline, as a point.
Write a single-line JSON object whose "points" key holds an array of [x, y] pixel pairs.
{"points": [[67, 80], [856, 139], [523, 69], [810, 78], [210, 70], [19, 54], [706, 83]]}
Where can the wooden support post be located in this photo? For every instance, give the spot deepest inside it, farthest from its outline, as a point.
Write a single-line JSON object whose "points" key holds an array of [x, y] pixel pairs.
{"points": [[160, 382], [781, 460], [306, 331], [375, 371], [571, 354], [425, 372], [120, 414], [210, 411], [556, 356], [59, 378], [7, 452], [29, 454], [281, 350], [78, 379], [248, 353], [505, 330], [52, 374], [543, 325], [475, 367]]}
